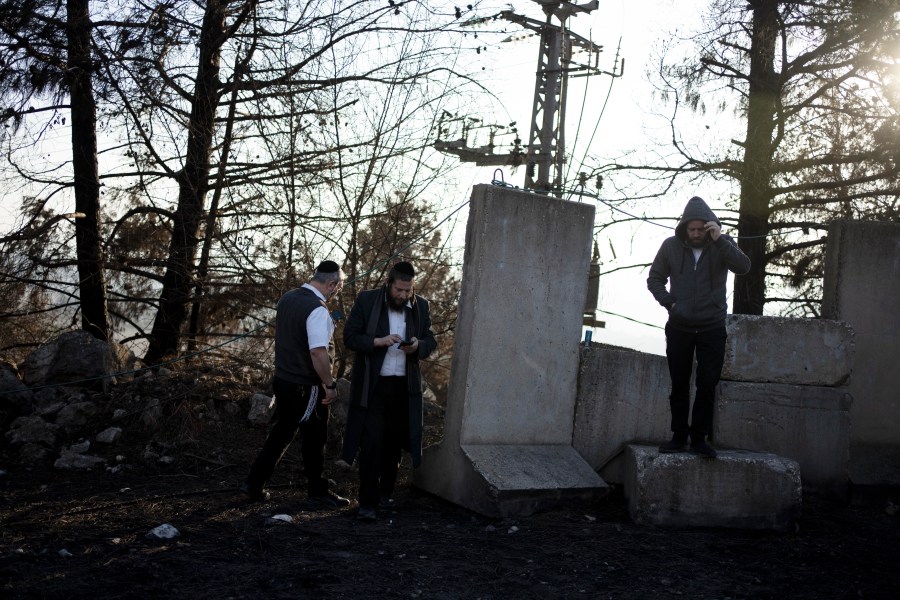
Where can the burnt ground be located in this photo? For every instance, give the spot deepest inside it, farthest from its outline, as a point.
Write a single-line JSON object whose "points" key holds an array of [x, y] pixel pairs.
{"points": [[67, 534]]}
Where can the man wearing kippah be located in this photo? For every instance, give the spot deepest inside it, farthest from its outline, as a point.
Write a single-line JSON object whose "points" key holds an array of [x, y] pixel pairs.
{"points": [[303, 384], [389, 329], [695, 263]]}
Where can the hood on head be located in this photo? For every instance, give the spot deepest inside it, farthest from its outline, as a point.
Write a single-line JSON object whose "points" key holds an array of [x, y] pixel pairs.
{"points": [[696, 208]]}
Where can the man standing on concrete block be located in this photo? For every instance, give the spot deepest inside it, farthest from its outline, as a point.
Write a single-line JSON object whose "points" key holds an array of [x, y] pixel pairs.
{"points": [[695, 263], [389, 329]]}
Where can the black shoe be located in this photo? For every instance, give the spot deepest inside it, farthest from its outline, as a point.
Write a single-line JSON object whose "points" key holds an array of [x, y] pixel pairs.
{"points": [[367, 514], [674, 445], [703, 449], [386, 503], [255, 494], [329, 500]]}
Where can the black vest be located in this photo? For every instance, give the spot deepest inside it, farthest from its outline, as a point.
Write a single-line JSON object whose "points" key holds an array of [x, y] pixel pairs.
{"points": [[293, 362]]}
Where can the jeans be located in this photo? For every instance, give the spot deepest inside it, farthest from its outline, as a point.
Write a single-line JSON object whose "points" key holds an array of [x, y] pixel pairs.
{"points": [[681, 347]]}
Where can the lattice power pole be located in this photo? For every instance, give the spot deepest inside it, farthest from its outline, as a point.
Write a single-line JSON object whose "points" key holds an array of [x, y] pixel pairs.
{"points": [[546, 150], [545, 154]]}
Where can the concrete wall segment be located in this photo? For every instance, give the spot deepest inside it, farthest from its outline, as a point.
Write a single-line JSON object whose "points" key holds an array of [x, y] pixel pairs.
{"points": [[809, 424], [862, 288], [788, 350]]}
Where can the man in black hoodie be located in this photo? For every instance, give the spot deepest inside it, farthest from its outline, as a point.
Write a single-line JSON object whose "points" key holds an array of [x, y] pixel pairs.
{"points": [[695, 263]]}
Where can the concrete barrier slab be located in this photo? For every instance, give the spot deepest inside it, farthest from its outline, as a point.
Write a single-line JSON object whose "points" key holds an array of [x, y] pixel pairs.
{"points": [[809, 424], [739, 489], [623, 397], [507, 445], [785, 350]]}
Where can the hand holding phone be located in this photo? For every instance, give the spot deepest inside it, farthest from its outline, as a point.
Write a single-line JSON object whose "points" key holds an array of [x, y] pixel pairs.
{"points": [[406, 343]]}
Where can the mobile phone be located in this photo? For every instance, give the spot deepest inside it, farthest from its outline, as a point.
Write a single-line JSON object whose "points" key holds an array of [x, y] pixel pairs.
{"points": [[406, 343]]}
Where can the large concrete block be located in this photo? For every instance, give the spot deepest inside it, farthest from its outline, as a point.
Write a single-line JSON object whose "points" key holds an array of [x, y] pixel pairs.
{"points": [[623, 397], [505, 418], [809, 424], [862, 287], [783, 350], [740, 489]]}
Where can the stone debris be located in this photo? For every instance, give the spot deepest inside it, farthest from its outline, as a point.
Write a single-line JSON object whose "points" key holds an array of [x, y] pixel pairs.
{"points": [[261, 409], [109, 435], [80, 447], [64, 553], [152, 413], [74, 461], [32, 430], [163, 532]]}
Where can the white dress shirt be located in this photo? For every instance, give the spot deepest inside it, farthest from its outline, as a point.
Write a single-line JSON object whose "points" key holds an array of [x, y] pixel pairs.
{"points": [[395, 359]]}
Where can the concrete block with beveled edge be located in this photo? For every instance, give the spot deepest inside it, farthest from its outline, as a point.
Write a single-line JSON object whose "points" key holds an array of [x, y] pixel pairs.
{"points": [[810, 424], [785, 350], [739, 489], [507, 440]]}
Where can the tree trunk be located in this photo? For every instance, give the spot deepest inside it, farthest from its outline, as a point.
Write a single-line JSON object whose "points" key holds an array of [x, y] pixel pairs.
{"points": [[89, 253], [753, 218], [192, 188]]}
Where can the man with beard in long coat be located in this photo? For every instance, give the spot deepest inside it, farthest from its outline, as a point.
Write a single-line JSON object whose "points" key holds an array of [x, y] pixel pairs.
{"points": [[389, 329]]}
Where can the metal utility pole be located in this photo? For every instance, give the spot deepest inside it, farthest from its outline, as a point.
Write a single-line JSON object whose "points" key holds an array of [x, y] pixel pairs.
{"points": [[545, 154]]}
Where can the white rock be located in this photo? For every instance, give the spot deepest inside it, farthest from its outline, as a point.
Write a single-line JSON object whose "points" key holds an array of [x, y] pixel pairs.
{"points": [[109, 435], [163, 532], [65, 553], [285, 518]]}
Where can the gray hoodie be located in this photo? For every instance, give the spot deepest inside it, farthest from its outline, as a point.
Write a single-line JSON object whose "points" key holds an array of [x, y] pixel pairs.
{"points": [[695, 298]]}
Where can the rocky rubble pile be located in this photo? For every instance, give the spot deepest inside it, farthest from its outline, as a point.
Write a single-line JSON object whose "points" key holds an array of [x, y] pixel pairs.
{"points": [[78, 402]]}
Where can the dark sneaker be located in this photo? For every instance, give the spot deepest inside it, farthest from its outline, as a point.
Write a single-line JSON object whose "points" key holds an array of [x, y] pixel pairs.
{"points": [[674, 445], [703, 449], [329, 500], [386, 503], [255, 494], [367, 514]]}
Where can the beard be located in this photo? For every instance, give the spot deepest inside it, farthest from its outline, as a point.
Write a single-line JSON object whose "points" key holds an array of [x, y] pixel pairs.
{"points": [[395, 304]]}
